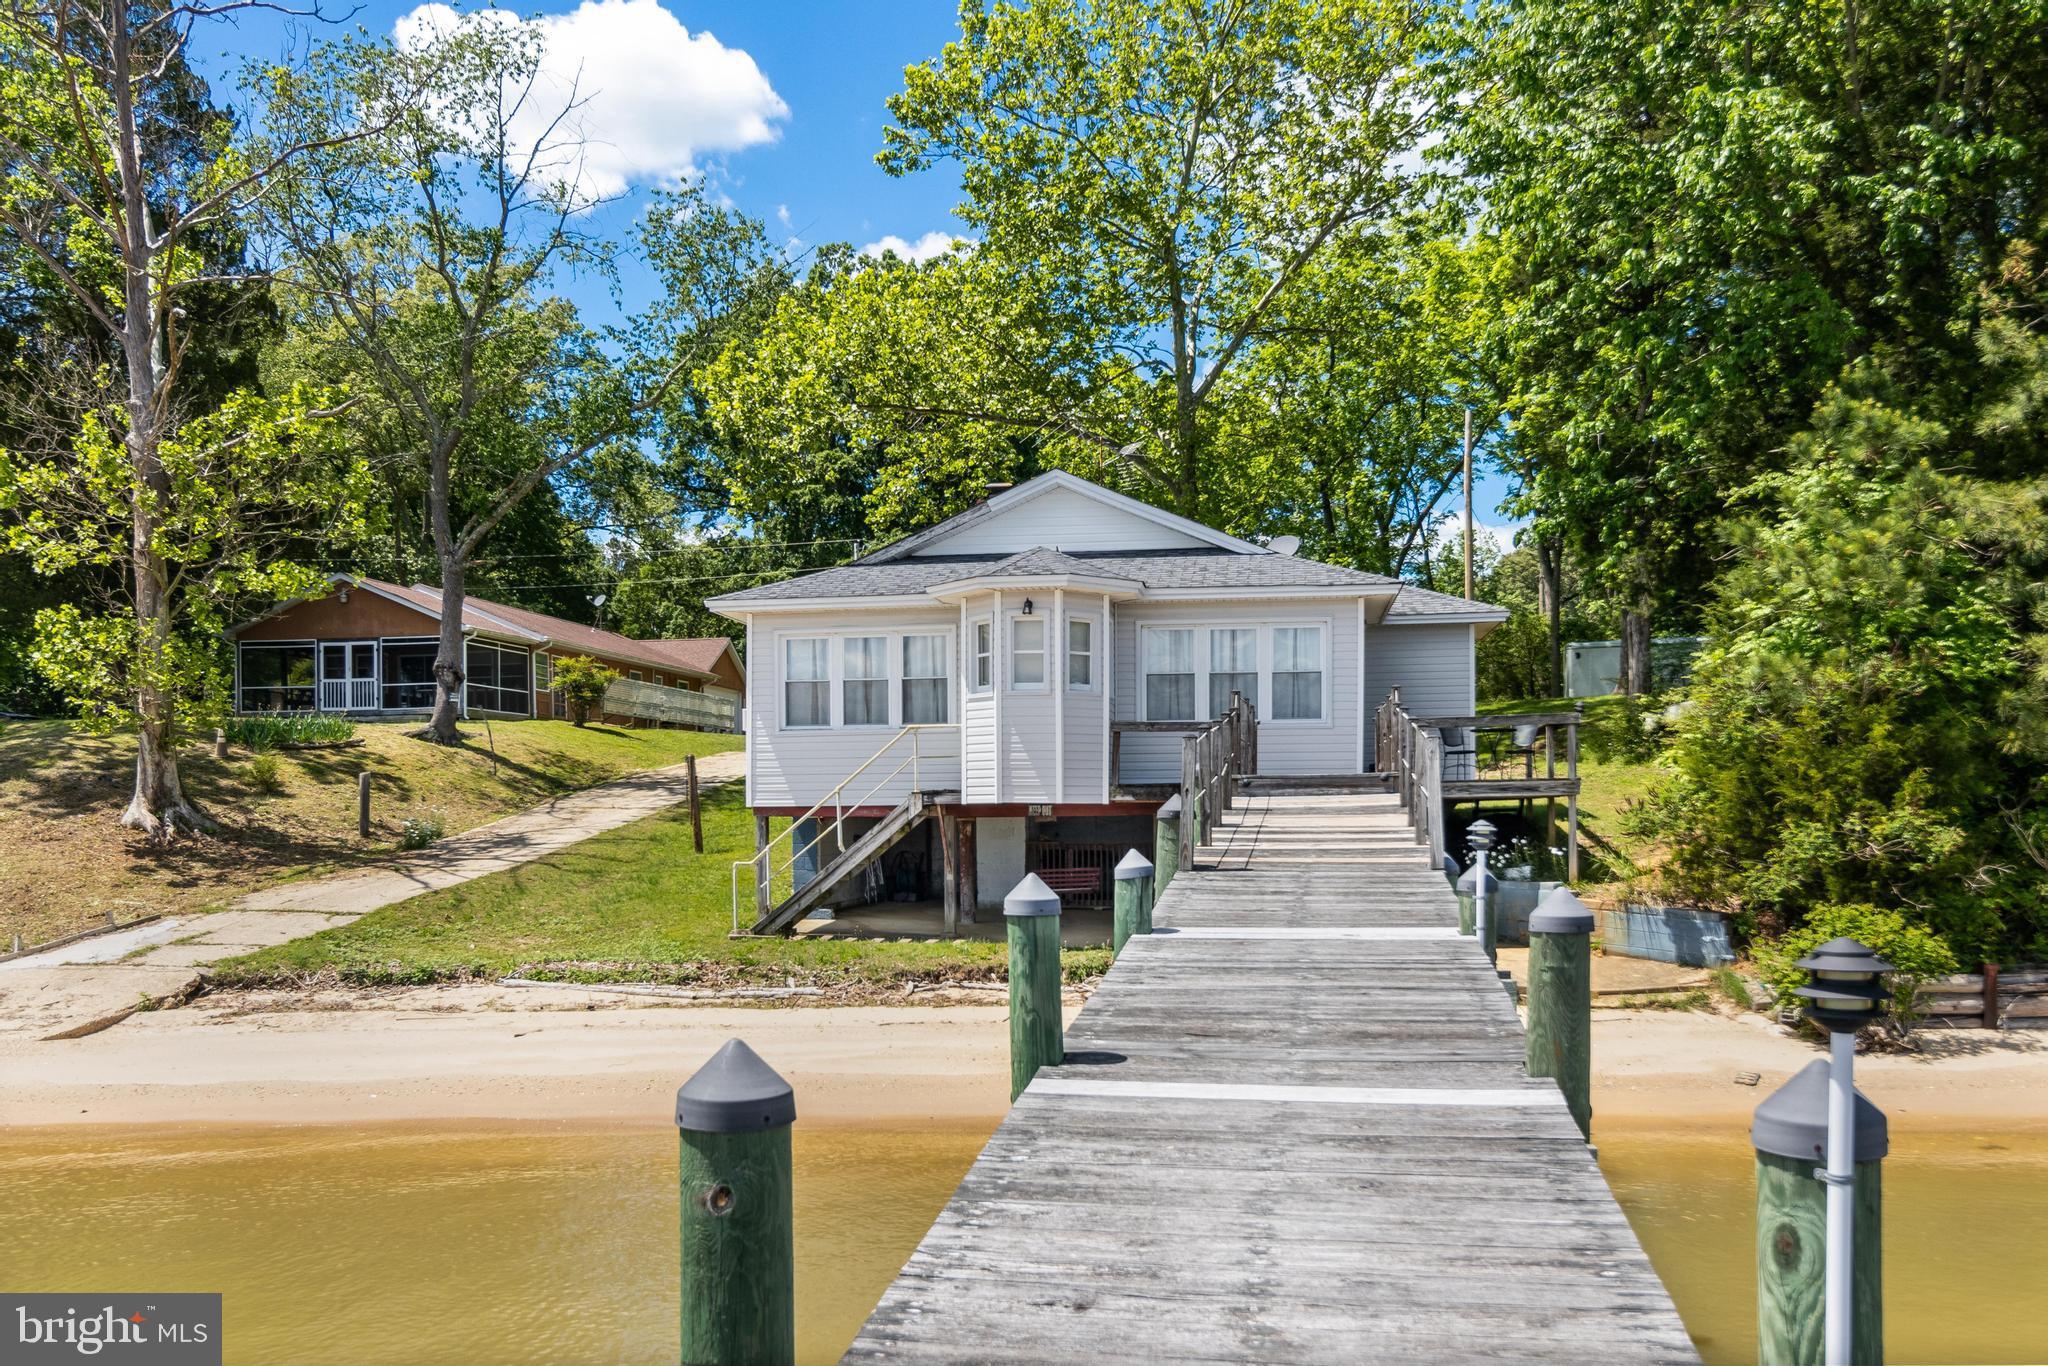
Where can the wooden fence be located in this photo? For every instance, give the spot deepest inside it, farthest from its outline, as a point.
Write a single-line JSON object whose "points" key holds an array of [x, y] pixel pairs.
{"points": [[665, 706], [1996, 998]]}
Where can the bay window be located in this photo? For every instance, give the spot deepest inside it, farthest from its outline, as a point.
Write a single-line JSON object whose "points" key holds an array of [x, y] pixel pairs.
{"points": [[1027, 653], [984, 655], [1080, 654], [924, 681], [806, 683], [864, 681]]}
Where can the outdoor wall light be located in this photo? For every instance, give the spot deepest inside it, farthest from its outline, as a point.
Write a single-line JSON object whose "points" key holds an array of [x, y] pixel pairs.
{"points": [[1843, 993], [1027, 607]]}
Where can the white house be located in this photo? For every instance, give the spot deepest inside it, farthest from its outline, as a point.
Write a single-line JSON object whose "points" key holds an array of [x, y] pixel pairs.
{"points": [[995, 655]]}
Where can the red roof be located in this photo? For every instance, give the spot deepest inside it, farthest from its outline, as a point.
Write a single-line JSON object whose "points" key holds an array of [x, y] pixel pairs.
{"points": [[527, 627]]}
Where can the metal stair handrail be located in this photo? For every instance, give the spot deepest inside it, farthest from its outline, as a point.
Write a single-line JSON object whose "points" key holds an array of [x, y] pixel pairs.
{"points": [[763, 862]]}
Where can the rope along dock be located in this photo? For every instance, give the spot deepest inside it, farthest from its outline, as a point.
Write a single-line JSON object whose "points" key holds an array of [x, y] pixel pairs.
{"points": [[1292, 1125]]}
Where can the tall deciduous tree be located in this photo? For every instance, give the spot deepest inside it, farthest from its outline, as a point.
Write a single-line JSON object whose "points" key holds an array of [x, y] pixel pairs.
{"points": [[107, 194], [421, 261]]}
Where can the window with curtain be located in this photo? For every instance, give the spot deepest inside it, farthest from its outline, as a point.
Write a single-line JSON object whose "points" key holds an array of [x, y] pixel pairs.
{"points": [[1233, 666], [864, 681], [984, 655], [1297, 673], [1169, 669], [806, 683], [924, 681], [1080, 653], [1027, 652]]}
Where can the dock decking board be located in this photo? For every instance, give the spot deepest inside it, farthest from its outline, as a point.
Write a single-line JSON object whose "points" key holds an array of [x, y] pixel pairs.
{"points": [[1144, 1221]]}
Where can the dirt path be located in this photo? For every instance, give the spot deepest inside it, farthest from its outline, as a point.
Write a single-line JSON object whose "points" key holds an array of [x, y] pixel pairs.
{"points": [[88, 985]]}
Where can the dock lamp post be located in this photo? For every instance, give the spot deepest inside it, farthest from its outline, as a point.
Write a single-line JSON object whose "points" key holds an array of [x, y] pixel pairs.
{"points": [[1843, 994], [1481, 835]]}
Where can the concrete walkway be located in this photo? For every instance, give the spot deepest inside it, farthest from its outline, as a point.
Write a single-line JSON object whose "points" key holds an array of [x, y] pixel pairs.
{"points": [[84, 987]]}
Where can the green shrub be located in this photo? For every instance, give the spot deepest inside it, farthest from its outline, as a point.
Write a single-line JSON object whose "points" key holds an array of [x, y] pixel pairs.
{"points": [[582, 682], [421, 831], [1915, 953], [269, 730], [1630, 731], [264, 775]]}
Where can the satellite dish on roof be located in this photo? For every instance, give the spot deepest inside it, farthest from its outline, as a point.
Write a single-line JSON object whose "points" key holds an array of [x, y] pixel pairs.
{"points": [[1284, 545], [598, 601]]}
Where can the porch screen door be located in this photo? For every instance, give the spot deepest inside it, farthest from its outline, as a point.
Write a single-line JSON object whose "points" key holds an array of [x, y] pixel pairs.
{"points": [[348, 676]]}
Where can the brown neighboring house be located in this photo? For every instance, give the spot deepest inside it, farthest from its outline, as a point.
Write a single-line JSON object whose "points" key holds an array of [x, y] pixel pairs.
{"points": [[367, 648]]}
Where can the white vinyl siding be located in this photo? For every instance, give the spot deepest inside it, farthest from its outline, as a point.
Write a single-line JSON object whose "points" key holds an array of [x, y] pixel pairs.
{"points": [[1327, 745], [795, 766], [1431, 664]]}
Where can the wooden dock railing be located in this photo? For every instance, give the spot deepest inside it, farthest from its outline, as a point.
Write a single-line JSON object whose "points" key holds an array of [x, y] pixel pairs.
{"points": [[1215, 757], [1499, 764]]}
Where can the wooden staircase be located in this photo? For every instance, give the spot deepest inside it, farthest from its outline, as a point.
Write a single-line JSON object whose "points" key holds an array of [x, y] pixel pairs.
{"points": [[904, 817]]}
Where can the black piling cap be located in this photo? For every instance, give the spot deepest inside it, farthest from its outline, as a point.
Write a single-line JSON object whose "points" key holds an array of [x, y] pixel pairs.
{"points": [[1793, 1120], [735, 1093], [1134, 865], [1561, 913], [1169, 810], [1468, 883]]}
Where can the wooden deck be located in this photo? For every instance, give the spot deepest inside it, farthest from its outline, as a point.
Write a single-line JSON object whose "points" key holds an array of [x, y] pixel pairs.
{"points": [[1292, 1125]]}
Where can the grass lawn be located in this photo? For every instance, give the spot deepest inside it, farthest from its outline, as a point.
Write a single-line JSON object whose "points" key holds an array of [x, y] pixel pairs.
{"points": [[636, 903], [65, 861], [1608, 853]]}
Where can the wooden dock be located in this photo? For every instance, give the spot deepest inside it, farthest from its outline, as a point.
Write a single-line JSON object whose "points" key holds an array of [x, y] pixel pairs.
{"points": [[1292, 1125]]}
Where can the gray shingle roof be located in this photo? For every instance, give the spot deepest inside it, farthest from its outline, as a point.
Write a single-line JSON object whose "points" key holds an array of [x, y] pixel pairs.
{"points": [[1182, 569], [1422, 604]]}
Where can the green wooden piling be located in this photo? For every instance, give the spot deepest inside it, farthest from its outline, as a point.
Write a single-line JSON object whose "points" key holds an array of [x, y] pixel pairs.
{"points": [[1031, 914], [1468, 894], [1790, 1136], [1133, 900], [1560, 1035], [1166, 845], [738, 1251]]}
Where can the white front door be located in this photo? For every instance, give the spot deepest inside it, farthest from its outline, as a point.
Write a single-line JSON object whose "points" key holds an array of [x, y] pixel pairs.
{"points": [[348, 675]]}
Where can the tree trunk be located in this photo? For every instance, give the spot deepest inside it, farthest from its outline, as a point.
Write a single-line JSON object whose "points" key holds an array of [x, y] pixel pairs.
{"points": [[1550, 601], [448, 660], [1635, 640], [157, 805]]}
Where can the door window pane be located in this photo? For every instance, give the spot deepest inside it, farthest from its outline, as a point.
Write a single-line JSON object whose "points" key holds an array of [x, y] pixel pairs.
{"points": [[864, 675], [1027, 653], [924, 681], [806, 683], [1297, 673], [1080, 653], [1233, 666], [1169, 668]]}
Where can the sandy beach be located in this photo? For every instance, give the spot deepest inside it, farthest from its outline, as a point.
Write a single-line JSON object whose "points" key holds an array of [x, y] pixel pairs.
{"points": [[467, 1053]]}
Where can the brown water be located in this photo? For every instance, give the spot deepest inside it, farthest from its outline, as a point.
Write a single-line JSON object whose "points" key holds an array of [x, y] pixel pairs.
{"points": [[394, 1244]]}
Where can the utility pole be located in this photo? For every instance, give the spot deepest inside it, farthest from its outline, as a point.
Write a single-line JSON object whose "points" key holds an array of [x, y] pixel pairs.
{"points": [[1468, 502]]}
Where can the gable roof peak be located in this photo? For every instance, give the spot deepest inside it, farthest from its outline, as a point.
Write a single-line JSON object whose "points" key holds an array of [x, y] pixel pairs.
{"points": [[1046, 483]]}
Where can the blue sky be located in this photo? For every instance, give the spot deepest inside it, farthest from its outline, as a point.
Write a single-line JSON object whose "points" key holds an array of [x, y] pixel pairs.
{"points": [[777, 107]]}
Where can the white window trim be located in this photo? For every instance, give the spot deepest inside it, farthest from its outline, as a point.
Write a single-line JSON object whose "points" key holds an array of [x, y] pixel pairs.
{"points": [[835, 671], [973, 679], [1202, 626], [1095, 637], [1010, 682]]}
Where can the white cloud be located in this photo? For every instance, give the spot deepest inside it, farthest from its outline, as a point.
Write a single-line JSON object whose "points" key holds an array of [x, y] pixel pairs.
{"points": [[652, 97], [782, 217], [932, 244]]}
